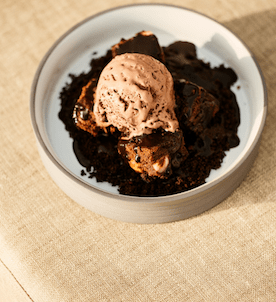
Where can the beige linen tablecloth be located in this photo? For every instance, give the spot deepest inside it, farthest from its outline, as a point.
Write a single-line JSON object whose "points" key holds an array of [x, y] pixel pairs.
{"points": [[52, 249]]}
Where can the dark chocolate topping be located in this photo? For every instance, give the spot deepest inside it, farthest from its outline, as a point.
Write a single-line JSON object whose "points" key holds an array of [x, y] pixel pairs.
{"points": [[82, 111], [171, 141]]}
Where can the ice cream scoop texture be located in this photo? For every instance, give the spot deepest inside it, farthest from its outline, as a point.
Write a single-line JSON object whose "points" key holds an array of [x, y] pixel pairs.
{"points": [[135, 93]]}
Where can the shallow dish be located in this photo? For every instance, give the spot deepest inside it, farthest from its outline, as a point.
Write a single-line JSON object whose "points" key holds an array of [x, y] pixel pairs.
{"points": [[72, 54]]}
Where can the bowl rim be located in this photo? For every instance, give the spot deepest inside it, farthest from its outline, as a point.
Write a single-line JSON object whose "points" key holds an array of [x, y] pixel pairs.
{"points": [[149, 199]]}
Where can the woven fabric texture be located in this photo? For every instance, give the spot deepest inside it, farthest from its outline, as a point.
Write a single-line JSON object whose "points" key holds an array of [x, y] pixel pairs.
{"points": [[52, 249]]}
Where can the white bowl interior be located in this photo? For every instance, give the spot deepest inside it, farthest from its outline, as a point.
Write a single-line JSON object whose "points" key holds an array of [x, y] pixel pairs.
{"points": [[73, 52]]}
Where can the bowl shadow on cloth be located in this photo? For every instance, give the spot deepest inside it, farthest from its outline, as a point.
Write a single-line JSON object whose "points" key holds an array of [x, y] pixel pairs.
{"points": [[258, 32]]}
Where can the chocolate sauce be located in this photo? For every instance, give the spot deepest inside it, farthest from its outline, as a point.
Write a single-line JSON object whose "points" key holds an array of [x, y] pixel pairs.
{"points": [[84, 113], [159, 138], [82, 159], [206, 141]]}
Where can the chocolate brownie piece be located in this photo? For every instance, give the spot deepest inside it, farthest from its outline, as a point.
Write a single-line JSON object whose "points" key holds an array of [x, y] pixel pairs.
{"points": [[83, 114], [144, 42], [155, 154], [200, 107]]}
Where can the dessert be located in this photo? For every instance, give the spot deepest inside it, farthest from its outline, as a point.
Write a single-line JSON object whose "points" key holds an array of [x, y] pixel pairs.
{"points": [[160, 134], [135, 95]]}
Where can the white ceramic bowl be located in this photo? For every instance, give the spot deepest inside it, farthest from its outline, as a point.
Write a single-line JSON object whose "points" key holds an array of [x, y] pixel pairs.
{"points": [[72, 54]]}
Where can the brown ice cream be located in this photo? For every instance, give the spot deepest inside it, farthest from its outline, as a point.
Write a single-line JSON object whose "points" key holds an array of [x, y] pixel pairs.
{"points": [[135, 94]]}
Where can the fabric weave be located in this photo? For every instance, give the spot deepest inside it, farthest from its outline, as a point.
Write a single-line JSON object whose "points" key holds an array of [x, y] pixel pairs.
{"points": [[51, 249]]}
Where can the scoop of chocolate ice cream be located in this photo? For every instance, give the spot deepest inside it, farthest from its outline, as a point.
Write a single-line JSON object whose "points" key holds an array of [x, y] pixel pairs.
{"points": [[135, 94]]}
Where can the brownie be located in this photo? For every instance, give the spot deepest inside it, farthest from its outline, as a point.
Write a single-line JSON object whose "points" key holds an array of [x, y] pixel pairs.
{"points": [[83, 115], [155, 154], [144, 42], [200, 108]]}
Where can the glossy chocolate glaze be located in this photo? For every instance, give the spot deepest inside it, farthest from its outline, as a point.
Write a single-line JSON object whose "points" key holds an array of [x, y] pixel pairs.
{"points": [[171, 142], [84, 113], [161, 138]]}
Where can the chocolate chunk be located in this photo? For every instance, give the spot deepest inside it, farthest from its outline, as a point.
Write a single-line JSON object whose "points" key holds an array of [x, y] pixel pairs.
{"points": [[145, 42]]}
